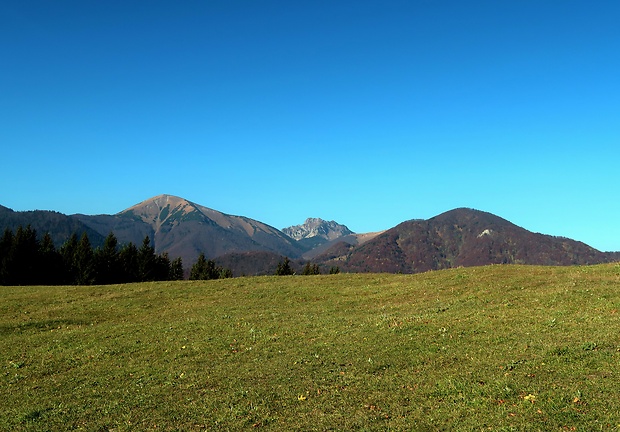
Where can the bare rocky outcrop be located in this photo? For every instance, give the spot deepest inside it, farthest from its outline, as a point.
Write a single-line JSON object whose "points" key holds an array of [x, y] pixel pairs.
{"points": [[317, 227]]}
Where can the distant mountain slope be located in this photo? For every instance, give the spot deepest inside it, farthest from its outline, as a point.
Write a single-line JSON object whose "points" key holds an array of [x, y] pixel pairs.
{"points": [[350, 240], [60, 226], [257, 263], [613, 256], [315, 232], [317, 227], [461, 237], [183, 228]]}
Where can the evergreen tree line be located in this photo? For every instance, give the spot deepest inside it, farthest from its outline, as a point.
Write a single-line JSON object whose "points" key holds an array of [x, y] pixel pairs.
{"points": [[26, 260], [284, 269], [204, 269]]}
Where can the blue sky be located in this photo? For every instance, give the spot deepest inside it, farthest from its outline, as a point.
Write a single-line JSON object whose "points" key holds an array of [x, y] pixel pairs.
{"points": [[369, 113]]}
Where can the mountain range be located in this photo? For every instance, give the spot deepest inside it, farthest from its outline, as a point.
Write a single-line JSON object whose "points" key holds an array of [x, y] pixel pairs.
{"points": [[460, 237]]}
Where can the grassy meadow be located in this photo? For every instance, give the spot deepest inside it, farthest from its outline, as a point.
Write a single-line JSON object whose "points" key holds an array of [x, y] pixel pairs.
{"points": [[497, 348]]}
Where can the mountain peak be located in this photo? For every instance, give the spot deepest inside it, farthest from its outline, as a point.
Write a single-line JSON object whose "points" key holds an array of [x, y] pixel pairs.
{"points": [[184, 228], [161, 209], [159, 201], [465, 216], [317, 227]]}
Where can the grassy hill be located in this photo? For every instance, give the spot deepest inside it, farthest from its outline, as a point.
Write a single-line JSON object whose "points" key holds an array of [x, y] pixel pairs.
{"points": [[484, 348]]}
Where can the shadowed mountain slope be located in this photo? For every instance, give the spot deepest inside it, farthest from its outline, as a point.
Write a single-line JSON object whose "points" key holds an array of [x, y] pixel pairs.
{"points": [[59, 226], [347, 241], [460, 237], [256, 263]]}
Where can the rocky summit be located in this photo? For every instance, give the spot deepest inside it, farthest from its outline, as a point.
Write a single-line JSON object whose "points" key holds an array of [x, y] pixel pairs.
{"points": [[317, 227]]}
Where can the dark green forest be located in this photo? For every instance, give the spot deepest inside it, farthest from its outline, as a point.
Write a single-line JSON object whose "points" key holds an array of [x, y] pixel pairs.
{"points": [[27, 260]]}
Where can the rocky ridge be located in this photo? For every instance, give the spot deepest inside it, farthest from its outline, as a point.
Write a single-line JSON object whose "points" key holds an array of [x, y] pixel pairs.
{"points": [[317, 227]]}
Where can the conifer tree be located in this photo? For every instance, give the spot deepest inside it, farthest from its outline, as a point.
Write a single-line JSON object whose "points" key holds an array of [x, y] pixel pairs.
{"points": [[310, 269], [225, 273], [161, 270], [146, 261], [6, 245], [204, 269], [284, 268], [51, 266], [68, 253], [84, 262], [25, 257], [128, 257], [107, 263], [176, 269]]}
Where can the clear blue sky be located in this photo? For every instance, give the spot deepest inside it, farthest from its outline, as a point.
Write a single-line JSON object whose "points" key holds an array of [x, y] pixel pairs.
{"points": [[369, 113]]}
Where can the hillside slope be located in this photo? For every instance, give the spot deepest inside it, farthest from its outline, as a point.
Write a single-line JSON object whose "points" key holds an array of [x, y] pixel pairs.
{"points": [[522, 348], [183, 228], [460, 237], [59, 226], [348, 241]]}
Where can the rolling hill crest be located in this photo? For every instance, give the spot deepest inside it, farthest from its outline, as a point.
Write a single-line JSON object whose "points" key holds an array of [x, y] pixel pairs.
{"points": [[58, 225]]}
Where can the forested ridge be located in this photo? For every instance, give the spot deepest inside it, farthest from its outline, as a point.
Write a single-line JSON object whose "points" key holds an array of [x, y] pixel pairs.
{"points": [[27, 260]]}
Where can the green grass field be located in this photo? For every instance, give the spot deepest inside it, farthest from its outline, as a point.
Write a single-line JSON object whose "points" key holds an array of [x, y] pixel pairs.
{"points": [[491, 348]]}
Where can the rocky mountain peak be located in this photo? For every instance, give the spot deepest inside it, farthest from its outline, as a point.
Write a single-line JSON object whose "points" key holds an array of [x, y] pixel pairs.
{"points": [[161, 209], [317, 227]]}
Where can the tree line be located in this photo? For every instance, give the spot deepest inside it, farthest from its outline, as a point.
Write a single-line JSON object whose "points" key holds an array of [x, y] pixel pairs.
{"points": [[26, 260], [284, 269], [204, 269]]}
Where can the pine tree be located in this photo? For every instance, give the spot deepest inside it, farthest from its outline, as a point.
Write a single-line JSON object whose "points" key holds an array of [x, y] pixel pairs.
{"points": [[204, 269], [128, 257], [25, 257], [6, 259], [146, 261], [176, 269], [161, 271], [225, 273], [107, 262], [310, 269], [84, 262], [284, 268], [68, 252], [51, 264]]}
